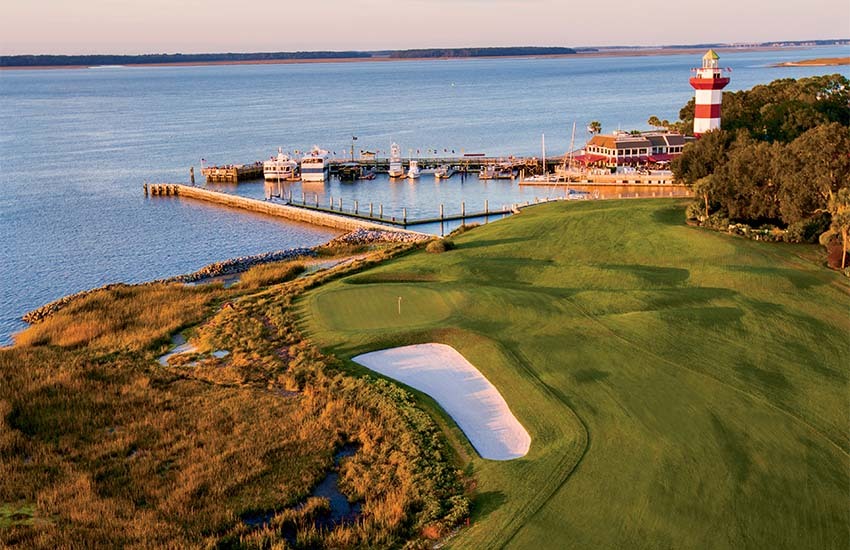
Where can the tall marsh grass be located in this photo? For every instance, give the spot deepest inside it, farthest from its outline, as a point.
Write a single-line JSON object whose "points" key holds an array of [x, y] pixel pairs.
{"points": [[109, 449]]}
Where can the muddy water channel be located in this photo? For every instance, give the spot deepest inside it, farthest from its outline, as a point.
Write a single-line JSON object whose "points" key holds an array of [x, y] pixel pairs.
{"points": [[341, 510]]}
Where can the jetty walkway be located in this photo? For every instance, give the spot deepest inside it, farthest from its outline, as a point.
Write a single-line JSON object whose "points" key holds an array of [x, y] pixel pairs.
{"points": [[305, 215], [326, 216]]}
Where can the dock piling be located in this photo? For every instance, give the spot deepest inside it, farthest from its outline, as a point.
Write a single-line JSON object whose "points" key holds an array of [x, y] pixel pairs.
{"points": [[441, 211], [404, 215], [486, 206], [192, 174], [355, 206], [462, 209], [381, 215], [371, 215]]}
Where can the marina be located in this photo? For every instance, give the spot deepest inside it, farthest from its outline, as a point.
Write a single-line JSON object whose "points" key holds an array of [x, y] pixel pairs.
{"points": [[528, 170]]}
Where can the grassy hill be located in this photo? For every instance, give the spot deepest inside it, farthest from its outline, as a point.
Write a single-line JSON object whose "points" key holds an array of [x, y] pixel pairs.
{"points": [[683, 388]]}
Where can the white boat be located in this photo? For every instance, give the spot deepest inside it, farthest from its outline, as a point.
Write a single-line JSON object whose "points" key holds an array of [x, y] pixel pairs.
{"points": [[396, 168], [503, 171], [315, 165], [444, 172], [414, 172], [280, 168]]}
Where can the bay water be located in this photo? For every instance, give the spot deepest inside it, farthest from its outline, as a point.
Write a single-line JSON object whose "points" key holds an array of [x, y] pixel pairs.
{"points": [[77, 144]]}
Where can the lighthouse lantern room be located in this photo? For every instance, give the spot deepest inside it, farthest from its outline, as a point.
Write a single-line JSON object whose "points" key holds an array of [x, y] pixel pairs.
{"points": [[708, 83]]}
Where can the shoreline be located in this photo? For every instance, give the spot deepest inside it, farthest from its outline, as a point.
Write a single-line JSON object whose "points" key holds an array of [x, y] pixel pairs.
{"points": [[649, 52], [233, 266], [817, 62]]}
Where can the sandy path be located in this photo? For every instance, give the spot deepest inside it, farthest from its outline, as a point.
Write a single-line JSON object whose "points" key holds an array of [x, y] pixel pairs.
{"points": [[464, 393]]}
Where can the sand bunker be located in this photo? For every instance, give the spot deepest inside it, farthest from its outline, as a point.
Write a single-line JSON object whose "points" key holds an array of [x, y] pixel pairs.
{"points": [[463, 392]]}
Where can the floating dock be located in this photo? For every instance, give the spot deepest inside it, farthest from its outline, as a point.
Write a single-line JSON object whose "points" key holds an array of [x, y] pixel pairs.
{"points": [[233, 173]]}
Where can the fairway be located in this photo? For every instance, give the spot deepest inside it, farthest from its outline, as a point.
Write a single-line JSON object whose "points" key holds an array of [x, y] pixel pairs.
{"points": [[682, 388]]}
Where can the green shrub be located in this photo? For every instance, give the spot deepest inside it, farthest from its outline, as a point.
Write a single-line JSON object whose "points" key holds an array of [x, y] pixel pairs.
{"points": [[808, 230], [695, 211]]}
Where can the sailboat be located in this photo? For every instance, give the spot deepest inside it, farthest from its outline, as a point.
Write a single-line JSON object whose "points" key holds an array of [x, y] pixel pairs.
{"points": [[566, 171], [544, 177]]}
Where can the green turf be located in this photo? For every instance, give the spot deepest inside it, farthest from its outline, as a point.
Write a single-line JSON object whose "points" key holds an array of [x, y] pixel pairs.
{"points": [[683, 388]]}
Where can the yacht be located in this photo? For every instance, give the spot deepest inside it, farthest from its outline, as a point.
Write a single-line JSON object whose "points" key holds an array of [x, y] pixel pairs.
{"points": [[315, 165], [280, 168], [414, 172], [396, 168]]}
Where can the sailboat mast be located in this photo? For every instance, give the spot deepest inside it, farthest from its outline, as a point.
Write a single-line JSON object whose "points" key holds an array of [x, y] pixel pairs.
{"points": [[543, 145], [572, 145]]}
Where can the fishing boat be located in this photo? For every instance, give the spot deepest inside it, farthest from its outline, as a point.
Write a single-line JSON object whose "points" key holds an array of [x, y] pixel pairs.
{"points": [[444, 172], [414, 172], [280, 168], [315, 165], [396, 168]]}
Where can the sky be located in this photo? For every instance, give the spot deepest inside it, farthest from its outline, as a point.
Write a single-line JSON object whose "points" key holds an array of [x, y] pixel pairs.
{"points": [[160, 26]]}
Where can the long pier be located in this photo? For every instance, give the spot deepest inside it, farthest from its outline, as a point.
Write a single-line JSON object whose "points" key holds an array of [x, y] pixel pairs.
{"points": [[330, 216], [314, 216]]}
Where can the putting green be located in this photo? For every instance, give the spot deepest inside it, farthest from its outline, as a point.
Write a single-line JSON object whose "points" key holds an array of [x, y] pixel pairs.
{"points": [[377, 307]]}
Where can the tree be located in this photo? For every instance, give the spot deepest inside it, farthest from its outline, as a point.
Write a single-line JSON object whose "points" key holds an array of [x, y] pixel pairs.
{"points": [[702, 157], [813, 168], [839, 207], [655, 122], [704, 188], [595, 127], [746, 185]]}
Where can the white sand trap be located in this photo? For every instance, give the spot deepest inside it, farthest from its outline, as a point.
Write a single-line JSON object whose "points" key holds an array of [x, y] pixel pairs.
{"points": [[463, 392]]}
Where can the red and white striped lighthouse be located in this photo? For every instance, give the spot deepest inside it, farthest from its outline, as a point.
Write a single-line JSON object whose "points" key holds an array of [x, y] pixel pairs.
{"points": [[708, 83]]}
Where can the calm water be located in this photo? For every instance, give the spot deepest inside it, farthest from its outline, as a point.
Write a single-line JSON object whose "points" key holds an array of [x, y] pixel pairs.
{"points": [[76, 145]]}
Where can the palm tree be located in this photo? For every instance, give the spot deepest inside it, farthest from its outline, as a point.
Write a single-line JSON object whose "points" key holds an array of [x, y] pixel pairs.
{"points": [[595, 127]]}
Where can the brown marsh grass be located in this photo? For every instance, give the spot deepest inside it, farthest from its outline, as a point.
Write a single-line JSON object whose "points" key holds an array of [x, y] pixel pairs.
{"points": [[107, 448]]}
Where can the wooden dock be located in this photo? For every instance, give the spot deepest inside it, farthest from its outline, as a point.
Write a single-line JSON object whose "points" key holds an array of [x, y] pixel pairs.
{"points": [[403, 220], [606, 179], [233, 173]]}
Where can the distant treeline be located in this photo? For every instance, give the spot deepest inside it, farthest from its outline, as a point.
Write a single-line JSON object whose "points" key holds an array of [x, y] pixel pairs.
{"points": [[73, 60], [831, 42], [480, 52], [68, 60]]}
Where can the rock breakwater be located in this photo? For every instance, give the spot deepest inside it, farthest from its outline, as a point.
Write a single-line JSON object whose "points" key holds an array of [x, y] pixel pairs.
{"points": [[376, 236]]}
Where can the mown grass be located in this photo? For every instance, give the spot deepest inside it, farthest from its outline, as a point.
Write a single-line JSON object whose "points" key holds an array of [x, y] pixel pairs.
{"points": [[100, 446], [683, 389]]}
